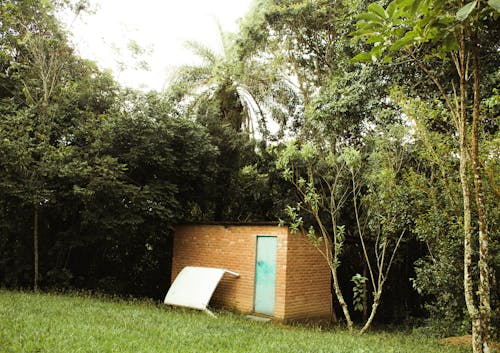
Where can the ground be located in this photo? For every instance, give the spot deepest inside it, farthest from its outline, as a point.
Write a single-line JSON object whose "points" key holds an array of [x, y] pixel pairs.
{"points": [[465, 341]]}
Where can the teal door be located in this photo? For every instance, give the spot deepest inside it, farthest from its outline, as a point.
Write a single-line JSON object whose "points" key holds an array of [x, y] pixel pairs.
{"points": [[265, 275]]}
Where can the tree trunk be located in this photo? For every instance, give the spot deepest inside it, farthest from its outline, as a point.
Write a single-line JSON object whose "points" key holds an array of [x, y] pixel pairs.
{"points": [[376, 303], [477, 343], [333, 318], [341, 300], [35, 249], [468, 283], [462, 131], [365, 294], [484, 276]]}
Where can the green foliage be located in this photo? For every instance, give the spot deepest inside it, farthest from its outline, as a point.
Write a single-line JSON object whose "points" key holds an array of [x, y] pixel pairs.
{"points": [[109, 172], [420, 31], [304, 38], [405, 24], [295, 222], [339, 237], [436, 200], [359, 291], [352, 158], [404, 27], [465, 11], [494, 4]]}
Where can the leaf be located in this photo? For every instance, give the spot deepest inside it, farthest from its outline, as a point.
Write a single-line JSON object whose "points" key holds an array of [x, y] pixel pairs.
{"points": [[390, 8], [377, 52], [377, 9], [369, 26], [450, 43], [495, 4], [465, 11], [409, 38], [404, 4], [378, 38], [387, 59], [415, 4], [362, 58], [369, 16]]}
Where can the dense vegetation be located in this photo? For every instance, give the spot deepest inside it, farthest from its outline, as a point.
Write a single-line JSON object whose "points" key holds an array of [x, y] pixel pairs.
{"points": [[51, 323], [387, 148]]}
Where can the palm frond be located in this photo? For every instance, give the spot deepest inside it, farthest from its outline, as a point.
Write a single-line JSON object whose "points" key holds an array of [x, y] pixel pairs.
{"points": [[206, 54], [192, 74], [226, 41]]}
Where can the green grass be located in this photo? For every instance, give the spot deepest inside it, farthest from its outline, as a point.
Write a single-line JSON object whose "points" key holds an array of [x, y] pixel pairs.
{"points": [[62, 323]]}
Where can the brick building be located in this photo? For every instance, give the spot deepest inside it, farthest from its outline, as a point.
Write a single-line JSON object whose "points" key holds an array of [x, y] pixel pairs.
{"points": [[282, 275]]}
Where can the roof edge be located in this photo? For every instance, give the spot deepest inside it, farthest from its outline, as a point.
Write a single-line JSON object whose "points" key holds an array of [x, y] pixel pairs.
{"points": [[268, 223]]}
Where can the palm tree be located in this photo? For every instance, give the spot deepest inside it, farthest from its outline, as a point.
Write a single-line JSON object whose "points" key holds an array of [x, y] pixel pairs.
{"points": [[248, 92]]}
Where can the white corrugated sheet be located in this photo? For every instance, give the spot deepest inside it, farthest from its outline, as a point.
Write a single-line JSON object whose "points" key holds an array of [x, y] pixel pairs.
{"points": [[194, 286]]}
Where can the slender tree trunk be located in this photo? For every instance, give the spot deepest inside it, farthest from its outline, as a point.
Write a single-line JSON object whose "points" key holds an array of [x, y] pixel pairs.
{"points": [[341, 300], [35, 249], [467, 223], [331, 256], [468, 283], [480, 318], [365, 294], [333, 317], [376, 303], [484, 276]]}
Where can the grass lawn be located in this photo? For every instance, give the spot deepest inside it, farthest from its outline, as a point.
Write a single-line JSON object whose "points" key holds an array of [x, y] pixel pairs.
{"points": [[57, 323]]}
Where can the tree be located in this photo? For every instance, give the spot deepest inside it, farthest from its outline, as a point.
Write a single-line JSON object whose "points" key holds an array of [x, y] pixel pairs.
{"points": [[326, 180], [447, 31], [249, 94], [234, 99], [38, 64], [438, 212], [302, 38], [307, 42], [149, 169]]}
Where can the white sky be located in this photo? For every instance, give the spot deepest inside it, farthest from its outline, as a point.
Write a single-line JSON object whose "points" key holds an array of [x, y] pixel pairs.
{"points": [[160, 26]]}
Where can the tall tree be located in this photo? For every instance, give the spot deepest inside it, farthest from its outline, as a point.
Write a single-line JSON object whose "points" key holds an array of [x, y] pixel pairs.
{"points": [[330, 183], [235, 99], [447, 31], [38, 61]]}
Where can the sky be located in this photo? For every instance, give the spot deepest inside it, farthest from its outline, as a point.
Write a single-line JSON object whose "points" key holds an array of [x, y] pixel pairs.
{"points": [[159, 27]]}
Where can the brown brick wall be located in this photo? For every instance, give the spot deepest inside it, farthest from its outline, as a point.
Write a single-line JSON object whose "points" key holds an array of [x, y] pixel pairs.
{"points": [[308, 295], [301, 290]]}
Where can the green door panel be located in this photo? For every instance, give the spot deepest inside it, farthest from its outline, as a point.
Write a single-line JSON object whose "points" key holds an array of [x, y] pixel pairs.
{"points": [[265, 275]]}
